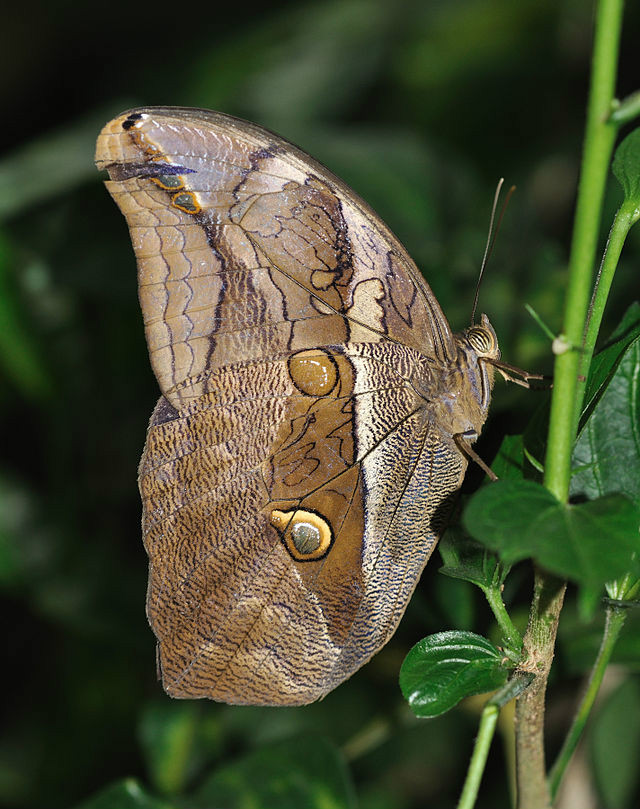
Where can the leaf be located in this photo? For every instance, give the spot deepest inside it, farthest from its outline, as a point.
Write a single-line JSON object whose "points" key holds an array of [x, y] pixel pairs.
{"points": [[615, 746], [589, 543], [446, 667], [605, 362], [126, 794], [509, 462], [306, 771], [20, 355], [318, 60], [452, 602], [535, 438], [54, 164], [465, 559], [167, 731], [626, 166], [606, 457]]}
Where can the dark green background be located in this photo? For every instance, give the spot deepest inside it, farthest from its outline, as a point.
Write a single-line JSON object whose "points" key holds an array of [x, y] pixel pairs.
{"points": [[421, 107]]}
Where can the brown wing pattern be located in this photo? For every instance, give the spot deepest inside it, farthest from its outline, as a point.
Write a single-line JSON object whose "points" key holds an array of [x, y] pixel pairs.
{"points": [[238, 618], [246, 249], [295, 474]]}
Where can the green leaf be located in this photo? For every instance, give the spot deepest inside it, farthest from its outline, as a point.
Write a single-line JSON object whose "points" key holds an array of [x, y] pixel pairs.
{"points": [[535, 437], [54, 164], [446, 667], [606, 457], [589, 543], [465, 559], [615, 746], [452, 603], [319, 58], [306, 771], [509, 463], [127, 794], [605, 362], [20, 355], [167, 731], [626, 166]]}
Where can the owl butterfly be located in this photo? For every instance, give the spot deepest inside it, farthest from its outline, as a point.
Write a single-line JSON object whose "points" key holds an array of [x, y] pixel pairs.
{"points": [[316, 412]]}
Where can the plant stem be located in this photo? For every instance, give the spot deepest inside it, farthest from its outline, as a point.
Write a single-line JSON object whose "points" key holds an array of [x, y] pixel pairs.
{"points": [[518, 683], [615, 618], [539, 642], [510, 634], [598, 145], [566, 400], [478, 761], [626, 216]]}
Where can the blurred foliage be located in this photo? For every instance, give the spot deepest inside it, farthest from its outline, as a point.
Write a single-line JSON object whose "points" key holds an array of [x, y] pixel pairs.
{"points": [[421, 106], [615, 745]]}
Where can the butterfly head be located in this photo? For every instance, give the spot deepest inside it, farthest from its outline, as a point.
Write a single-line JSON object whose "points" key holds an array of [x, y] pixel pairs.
{"points": [[482, 340], [477, 351]]}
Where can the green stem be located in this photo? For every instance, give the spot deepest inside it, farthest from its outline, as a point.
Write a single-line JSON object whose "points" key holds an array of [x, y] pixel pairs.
{"points": [[600, 136], [488, 721], [509, 632], [626, 216], [478, 761], [614, 622], [539, 639]]}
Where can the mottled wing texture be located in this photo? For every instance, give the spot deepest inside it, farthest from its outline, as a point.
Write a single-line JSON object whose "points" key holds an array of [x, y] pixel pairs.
{"points": [[246, 248], [293, 481]]}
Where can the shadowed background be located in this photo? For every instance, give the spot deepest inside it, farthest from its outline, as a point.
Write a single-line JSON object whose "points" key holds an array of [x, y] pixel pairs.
{"points": [[421, 107]]}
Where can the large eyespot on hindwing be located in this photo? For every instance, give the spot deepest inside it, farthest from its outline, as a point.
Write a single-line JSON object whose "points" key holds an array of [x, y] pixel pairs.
{"points": [[306, 535]]}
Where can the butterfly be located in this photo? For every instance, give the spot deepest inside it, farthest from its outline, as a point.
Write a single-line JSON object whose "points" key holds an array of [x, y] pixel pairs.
{"points": [[316, 412]]}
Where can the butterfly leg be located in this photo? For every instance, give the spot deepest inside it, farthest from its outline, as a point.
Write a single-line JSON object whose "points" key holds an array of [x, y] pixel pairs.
{"points": [[463, 442], [510, 373]]}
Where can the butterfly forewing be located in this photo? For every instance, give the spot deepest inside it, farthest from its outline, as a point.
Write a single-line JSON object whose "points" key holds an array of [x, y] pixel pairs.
{"points": [[247, 249], [300, 461]]}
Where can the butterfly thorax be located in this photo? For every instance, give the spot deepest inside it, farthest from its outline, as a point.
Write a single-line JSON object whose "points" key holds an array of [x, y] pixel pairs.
{"points": [[460, 401]]}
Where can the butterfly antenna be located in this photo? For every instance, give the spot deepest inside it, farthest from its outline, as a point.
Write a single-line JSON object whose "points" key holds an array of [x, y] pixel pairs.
{"points": [[491, 237]]}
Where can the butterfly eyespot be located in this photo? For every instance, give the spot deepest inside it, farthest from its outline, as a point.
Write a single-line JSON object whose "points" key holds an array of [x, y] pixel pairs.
{"points": [[185, 201], [306, 535], [170, 182], [481, 340], [132, 120], [313, 372]]}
